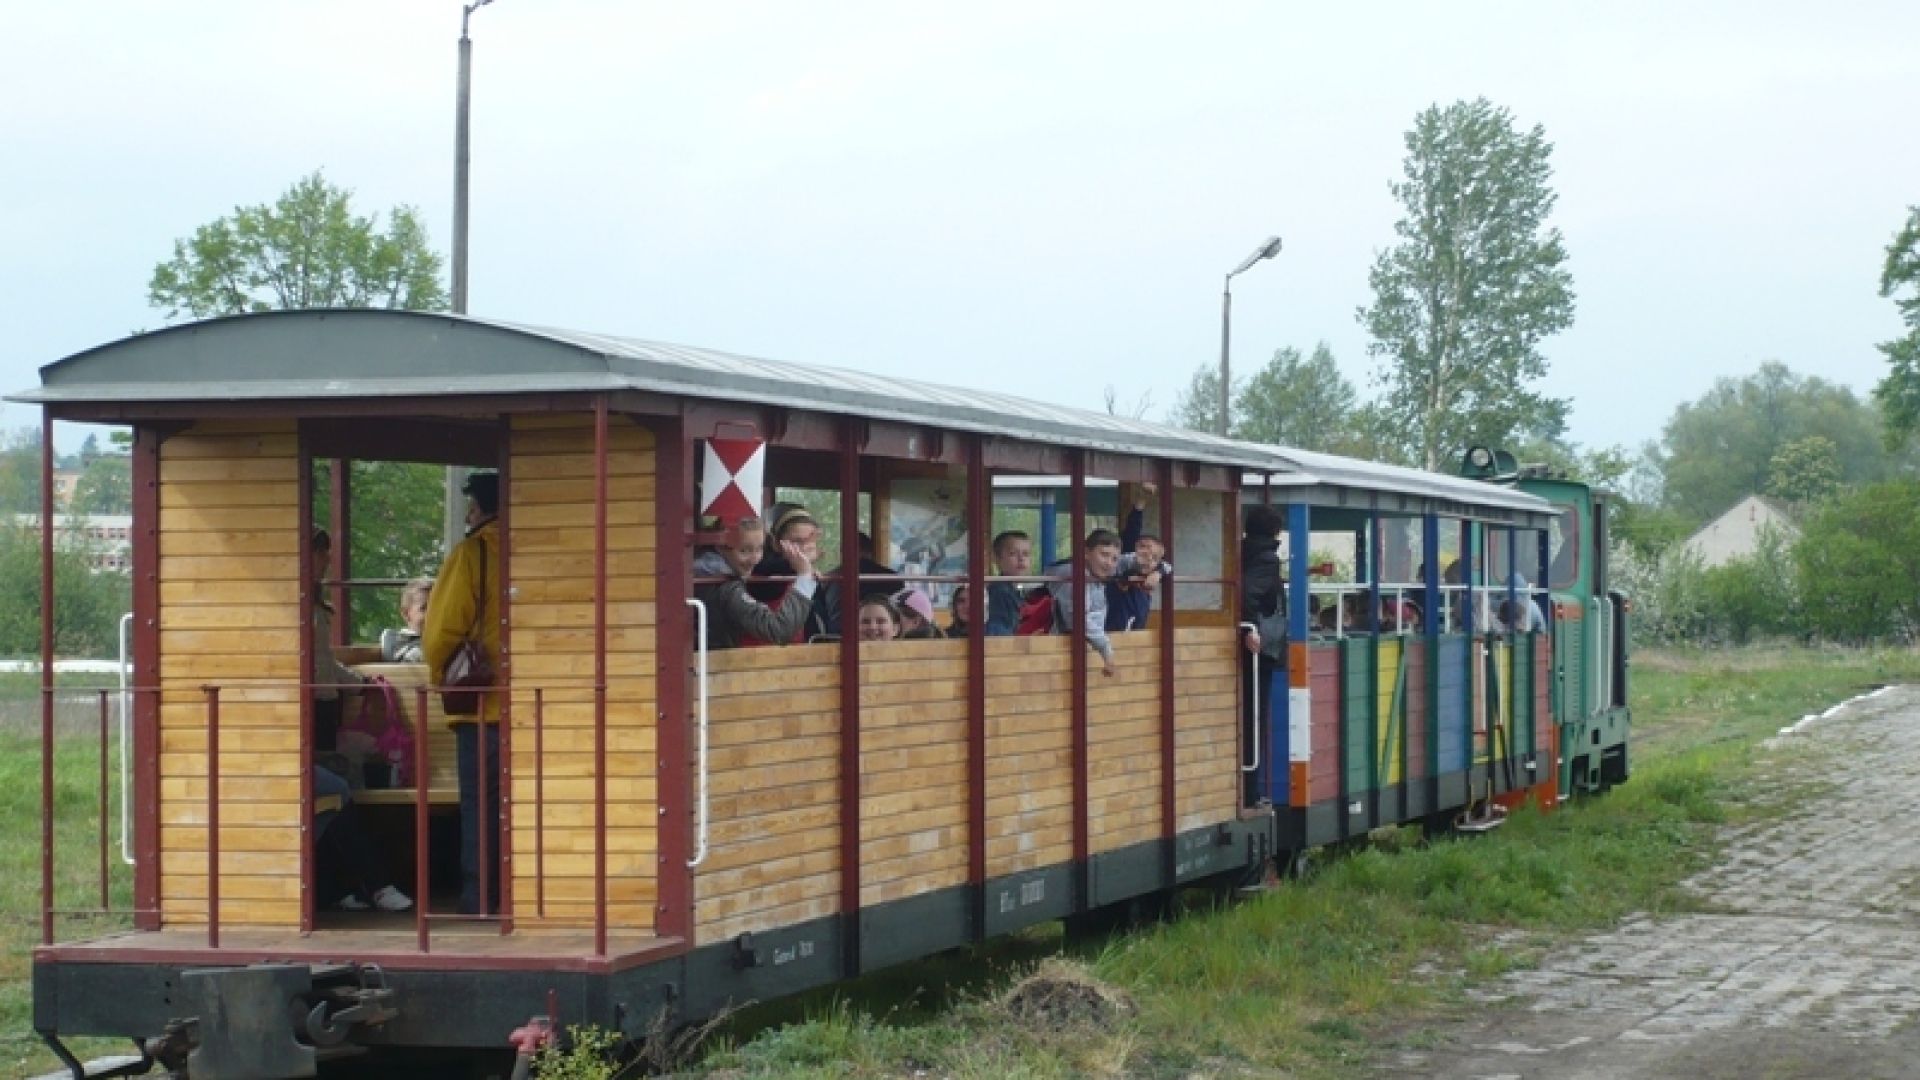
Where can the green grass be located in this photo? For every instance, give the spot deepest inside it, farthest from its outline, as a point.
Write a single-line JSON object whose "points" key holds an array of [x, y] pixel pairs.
{"points": [[1316, 978]]}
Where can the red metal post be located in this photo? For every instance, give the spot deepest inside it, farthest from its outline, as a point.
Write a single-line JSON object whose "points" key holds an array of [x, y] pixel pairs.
{"points": [[539, 802], [1169, 716], [979, 524], [106, 828], [673, 571], [503, 518], [422, 769], [340, 483], [850, 694], [145, 468], [600, 676], [303, 521], [213, 816], [46, 678], [1076, 545]]}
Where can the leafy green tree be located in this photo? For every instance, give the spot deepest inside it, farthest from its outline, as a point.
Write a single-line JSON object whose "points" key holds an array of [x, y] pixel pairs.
{"points": [[1755, 596], [86, 605], [1295, 400], [396, 532], [20, 471], [1805, 471], [1721, 448], [1858, 560], [1473, 286], [105, 486], [1899, 393], [306, 250]]}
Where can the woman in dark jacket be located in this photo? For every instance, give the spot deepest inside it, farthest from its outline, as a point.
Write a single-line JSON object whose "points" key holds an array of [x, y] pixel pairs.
{"points": [[1263, 603]]}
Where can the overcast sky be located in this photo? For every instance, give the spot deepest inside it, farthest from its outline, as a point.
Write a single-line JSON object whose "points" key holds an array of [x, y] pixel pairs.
{"points": [[1033, 197]]}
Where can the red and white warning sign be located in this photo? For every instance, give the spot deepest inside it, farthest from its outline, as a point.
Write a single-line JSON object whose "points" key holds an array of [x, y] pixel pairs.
{"points": [[730, 478]]}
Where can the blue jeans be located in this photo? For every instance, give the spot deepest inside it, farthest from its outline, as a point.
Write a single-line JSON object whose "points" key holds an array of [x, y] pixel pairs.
{"points": [[474, 817]]}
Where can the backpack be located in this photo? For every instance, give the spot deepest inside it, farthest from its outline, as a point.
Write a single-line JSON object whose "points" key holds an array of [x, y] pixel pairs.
{"points": [[1036, 616], [393, 743]]}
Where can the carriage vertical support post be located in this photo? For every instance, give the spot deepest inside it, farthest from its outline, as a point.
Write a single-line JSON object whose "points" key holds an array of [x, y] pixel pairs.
{"points": [[979, 524], [303, 521], [46, 678], [422, 769], [850, 431], [1471, 653], [503, 668], [106, 830], [1299, 668], [674, 505], [145, 469], [213, 816], [600, 675], [340, 505], [1077, 649], [1376, 565], [1169, 717]]}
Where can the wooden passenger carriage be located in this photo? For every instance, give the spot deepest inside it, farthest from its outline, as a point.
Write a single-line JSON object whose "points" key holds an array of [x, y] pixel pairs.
{"points": [[681, 829]]}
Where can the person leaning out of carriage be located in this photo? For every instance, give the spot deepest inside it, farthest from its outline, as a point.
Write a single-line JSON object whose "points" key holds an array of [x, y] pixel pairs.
{"points": [[735, 617], [466, 603]]}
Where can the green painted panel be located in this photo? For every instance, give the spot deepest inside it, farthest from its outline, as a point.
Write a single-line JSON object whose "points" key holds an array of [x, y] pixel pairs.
{"points": [[1359, 705]]}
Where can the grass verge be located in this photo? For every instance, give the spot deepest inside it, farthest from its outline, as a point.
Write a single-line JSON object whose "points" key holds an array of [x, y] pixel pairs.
{"points": [[1313, 979]]}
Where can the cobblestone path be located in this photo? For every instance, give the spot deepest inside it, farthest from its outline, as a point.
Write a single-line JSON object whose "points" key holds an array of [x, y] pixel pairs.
{"points": [[1809, 967]]}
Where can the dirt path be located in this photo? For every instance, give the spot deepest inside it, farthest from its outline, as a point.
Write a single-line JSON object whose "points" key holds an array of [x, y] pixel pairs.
{"points": [[1809, 967]]}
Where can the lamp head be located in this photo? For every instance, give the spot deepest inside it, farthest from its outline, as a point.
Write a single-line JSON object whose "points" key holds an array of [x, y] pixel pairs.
{"points": [[1265, 251]]}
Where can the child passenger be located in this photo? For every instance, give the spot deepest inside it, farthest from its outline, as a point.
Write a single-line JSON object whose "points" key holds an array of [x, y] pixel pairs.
{"points": [[957, 626], [1012, 557], [879, 619], [734, 616], [916, 615], [1103, 560], [402, 646]]}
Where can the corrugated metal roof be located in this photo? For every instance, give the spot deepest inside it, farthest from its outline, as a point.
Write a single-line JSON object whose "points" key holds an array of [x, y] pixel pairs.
{"points": [[306, 355]]}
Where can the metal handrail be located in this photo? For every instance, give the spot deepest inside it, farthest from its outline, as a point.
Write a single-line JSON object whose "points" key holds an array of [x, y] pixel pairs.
{"points": [[126, 742], [700, 827]]}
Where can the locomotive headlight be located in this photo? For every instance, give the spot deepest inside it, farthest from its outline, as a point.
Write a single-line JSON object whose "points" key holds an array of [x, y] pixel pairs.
{"points": [[1480, 457]]}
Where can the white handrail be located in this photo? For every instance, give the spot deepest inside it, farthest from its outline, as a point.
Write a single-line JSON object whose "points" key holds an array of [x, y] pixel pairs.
{"points": [[126, 741], [700, 829], [1255, 767]]}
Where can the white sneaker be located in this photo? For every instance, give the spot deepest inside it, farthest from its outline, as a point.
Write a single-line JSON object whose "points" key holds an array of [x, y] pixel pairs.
{"points": [[392, 899], [352, 902]]}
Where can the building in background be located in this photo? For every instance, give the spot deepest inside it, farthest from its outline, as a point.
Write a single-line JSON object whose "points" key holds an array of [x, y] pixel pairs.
{"points": [[1736, 533]]}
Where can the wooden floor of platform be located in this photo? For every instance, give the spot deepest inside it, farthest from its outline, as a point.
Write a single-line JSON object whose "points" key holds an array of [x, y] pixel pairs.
{"points": [[387, 940]]}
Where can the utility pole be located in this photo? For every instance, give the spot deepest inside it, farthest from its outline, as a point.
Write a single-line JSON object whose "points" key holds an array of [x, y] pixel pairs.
{"points": [[1265, 251], [453, 521]]}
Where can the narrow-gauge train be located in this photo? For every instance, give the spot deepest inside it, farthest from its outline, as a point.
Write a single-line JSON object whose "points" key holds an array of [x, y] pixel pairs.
{"points": [[683, 829]]}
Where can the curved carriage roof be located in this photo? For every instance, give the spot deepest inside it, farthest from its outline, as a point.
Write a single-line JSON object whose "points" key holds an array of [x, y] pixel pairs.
{"points": [[364, 353]]}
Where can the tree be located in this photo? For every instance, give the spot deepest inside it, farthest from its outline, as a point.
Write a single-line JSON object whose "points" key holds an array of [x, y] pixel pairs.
{"points": [[105, 486], [1804, 471], [1859, 555], [396, 531], [86, 604], [1721, 448], [20, 471], [307, 250], [1297, 401], [1473, 286], [1899, 393]]}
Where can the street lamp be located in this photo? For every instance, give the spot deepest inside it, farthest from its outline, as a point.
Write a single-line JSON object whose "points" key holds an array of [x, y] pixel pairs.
{"points": [[1265, 251], [453, 506]]}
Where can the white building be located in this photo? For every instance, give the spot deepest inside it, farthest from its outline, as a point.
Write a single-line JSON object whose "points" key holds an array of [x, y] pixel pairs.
{"points": [[109, 537], [1736, 533]]}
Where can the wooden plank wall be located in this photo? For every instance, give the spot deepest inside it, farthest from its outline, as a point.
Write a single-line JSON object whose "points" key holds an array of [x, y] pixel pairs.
{"points": [[230, 614], [913, 768], [550, 504], [1207, 721], [774, 806], [1029, 752], [1123, 744]]}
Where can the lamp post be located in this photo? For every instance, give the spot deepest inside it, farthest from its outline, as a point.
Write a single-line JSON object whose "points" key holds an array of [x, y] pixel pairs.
{"points": [[1265, 251], [453, 519]]}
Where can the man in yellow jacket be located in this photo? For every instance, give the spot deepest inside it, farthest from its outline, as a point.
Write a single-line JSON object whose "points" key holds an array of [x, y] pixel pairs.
{"points": [[466, 603]]}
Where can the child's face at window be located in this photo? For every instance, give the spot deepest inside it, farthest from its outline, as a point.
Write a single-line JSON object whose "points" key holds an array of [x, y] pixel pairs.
{"points": [[910, 620], [1149, 551], [1015, 557], [876, 624], [415, 615], [745, 553], [1103, 560], [807, 536]]}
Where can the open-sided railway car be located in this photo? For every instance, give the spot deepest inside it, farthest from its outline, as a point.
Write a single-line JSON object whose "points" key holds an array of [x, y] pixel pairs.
{"points": [[682, 828]]}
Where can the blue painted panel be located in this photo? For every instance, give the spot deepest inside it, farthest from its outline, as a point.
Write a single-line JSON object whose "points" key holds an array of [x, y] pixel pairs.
{"points": [[1451, 728]]}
